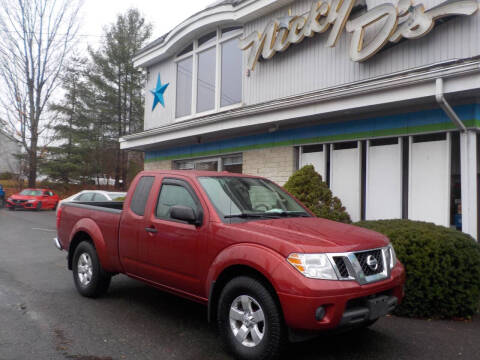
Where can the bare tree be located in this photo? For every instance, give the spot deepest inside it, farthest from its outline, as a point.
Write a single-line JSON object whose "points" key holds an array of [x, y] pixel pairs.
{"points": [[36, 37]]}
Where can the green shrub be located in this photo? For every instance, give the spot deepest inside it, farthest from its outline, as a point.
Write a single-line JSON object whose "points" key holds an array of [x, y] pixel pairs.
{"points": [[307, 186], [442, 267]]}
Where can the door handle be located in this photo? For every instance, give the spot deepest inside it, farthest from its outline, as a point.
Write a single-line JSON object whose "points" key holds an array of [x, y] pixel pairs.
{"points": [[151, 230]]}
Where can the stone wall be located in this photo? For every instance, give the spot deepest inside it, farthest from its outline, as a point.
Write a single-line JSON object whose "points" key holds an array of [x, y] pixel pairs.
{"points": [[158, 165], [276, 163]]}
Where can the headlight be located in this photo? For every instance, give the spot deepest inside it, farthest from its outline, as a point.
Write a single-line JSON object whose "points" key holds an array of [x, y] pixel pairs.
{"points": [[9, 199], [314, 266], [393, 256], [31, 201]]}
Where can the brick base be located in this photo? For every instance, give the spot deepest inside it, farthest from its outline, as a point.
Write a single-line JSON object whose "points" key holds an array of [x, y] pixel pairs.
{"points": [[276, 164]]}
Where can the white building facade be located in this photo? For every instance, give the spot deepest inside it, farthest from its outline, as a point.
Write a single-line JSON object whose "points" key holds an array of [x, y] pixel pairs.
{"points": [[383, 98], [10, 148]]}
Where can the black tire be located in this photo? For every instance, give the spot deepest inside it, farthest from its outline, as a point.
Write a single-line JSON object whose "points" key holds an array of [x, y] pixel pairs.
{"points": [[100, 279], [273, 328], [39, 206], [54, 207], [12, 208]]}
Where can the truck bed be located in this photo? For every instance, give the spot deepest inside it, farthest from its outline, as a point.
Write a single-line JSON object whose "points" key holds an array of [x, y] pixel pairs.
{"points": [[100, 218]]}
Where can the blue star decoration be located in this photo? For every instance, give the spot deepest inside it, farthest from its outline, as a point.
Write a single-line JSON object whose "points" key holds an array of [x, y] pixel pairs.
{"points": [[158, 93]]}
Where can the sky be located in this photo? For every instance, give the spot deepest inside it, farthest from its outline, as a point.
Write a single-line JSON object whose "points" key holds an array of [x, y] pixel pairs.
{"points": [[164, 15]]}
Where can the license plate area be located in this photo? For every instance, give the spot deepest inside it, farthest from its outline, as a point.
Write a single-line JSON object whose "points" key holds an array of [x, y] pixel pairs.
{"points": [[378, 306]]}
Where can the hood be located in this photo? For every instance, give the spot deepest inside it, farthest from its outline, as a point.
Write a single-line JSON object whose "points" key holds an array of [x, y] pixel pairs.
{"points": [[312, 235], [24, 197]]}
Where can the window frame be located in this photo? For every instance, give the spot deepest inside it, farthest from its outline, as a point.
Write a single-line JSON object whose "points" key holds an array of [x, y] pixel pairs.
{"points": [[218, 72], [219, 159], [183, 183]]}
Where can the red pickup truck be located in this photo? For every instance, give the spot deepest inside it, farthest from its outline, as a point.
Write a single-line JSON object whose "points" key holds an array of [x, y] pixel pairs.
{"points": [[265, 266]]}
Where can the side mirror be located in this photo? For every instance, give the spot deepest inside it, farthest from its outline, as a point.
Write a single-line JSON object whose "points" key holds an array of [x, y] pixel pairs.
{"points": [[184, 213]]}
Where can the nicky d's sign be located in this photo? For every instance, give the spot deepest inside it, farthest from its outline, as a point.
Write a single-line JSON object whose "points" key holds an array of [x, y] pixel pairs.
{"points": [[385, 23]]}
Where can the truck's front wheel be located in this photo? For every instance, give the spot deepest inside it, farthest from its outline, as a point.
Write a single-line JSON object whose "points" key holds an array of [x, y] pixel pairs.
{"points": [[89, 277], [249, 320]]}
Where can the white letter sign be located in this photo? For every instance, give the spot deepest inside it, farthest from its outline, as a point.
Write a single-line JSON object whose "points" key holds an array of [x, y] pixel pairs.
{"points": [[405, 20]]}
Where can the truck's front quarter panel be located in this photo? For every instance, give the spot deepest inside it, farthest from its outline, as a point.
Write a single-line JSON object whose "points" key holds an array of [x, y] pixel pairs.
{"points": [[301, 297]]}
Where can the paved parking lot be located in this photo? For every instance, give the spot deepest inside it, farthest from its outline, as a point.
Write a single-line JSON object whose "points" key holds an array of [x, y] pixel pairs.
{"points": [[43, 317]]}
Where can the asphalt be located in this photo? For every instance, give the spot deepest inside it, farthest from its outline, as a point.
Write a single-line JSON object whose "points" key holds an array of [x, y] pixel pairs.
{"points": [[43, 317]]}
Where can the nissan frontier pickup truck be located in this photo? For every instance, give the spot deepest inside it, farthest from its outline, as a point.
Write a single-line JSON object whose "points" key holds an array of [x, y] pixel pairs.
{"points": [[267, 269]]}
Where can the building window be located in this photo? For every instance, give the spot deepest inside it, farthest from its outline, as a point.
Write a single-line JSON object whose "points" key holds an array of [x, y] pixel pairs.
{"points": [[233, 164], [184, 87], [210, 38], [209, 73], [231, 87], [206, 80], [230, 163]]}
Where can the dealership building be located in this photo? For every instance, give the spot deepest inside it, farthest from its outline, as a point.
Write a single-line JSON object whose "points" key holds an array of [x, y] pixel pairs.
{"points": [[382, 97]]}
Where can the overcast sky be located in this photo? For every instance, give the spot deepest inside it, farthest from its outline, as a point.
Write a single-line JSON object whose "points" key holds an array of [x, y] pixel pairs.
{"points": [[162, 14]]}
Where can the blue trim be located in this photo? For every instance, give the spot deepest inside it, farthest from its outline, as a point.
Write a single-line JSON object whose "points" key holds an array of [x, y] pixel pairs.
{"points": [[363, 128]]}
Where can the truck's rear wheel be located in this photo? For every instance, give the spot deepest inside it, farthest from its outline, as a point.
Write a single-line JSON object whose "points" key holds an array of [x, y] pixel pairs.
{"points": [[89, 277], [249, 320]]}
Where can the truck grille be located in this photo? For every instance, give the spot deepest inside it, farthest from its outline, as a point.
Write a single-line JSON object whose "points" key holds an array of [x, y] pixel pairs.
{"points": [[364, 267], [371, 269], [341, 266]]}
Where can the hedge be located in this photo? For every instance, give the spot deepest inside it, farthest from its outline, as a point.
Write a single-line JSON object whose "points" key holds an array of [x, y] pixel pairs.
{"points": [[307, 186], [442, 267]]}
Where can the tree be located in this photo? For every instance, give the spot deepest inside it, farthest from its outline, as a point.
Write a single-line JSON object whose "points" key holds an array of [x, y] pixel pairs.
{"points": [[307, 186], [84, 147], [36, 37], [118, 84], [64, 162]]}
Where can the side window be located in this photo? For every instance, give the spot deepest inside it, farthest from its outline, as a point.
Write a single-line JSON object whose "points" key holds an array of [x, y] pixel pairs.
{"points": [[171, 195], [140, 196], [85, 197], [99, 197]]}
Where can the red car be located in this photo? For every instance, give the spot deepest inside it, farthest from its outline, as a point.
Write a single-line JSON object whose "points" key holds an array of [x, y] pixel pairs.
{"points": [[265, 266], [37, 199]]}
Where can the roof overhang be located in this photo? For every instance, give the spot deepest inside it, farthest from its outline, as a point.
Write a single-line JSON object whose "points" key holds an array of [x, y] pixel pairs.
{"points": [[208, 19]]}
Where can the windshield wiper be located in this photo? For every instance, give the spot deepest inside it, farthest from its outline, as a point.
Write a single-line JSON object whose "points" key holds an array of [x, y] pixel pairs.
{"points": [[271, 215], [289, 213], [245, 215]]}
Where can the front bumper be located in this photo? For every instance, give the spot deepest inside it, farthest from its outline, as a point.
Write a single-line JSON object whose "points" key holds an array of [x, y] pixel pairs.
{"points": [[25, 205], [345, 303]]}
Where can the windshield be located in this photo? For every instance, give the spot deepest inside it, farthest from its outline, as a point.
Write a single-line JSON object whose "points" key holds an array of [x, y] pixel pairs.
{"points": [[30, 192], [243, 197]]}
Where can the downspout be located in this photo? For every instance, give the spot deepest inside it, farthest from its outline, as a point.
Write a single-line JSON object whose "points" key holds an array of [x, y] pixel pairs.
{"points": [[446, 106], [469, 209]]}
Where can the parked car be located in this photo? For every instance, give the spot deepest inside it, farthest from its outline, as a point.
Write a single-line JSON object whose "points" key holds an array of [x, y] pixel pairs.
{"points": [[265, 266], [36, 199], [95, 196], [2, 197]]}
